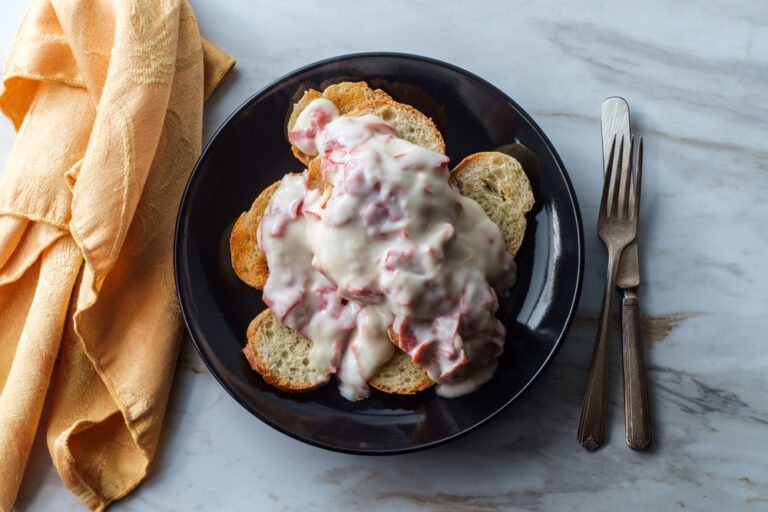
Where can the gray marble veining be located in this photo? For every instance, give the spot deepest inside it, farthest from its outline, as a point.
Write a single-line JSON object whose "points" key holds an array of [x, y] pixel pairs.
{"points": [[695, 76]]}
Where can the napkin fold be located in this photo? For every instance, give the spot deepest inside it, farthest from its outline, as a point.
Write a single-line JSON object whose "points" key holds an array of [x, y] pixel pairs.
{"points": [[107, 98]]}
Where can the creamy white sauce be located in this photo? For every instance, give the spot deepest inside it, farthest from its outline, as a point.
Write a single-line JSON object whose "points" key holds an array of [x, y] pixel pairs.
{"points": [[391, 244], [298, 295], [368, 349], [309, 123]]}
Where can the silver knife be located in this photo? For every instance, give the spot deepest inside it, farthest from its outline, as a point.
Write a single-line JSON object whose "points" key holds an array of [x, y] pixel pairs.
{"points": [[614, 116]]}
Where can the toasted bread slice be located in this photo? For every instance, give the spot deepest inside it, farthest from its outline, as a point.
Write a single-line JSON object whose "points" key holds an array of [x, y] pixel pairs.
{"points": [[248, 260], [309, 96], [410, 124], [345, 95], [499, 185], [401, 376], [348, 95], [281, 355]]}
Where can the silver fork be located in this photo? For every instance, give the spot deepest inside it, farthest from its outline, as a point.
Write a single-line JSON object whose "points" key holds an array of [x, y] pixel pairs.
{"points": [[617, 228]]}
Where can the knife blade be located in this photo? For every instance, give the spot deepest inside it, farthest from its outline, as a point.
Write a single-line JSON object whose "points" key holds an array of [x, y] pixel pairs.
{"points": [[614, 115]]}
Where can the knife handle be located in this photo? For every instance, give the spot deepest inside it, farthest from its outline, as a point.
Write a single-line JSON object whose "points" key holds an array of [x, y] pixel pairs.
{"points": [[637, 417]]}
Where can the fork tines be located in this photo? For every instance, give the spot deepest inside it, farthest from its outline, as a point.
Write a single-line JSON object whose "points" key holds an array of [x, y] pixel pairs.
{"points": [[618, 198]]}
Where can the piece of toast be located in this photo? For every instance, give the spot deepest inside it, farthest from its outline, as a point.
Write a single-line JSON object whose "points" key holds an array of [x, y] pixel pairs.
{"points": [[499, 185], [401, 376], [348, 95], [345, 95], [248, 260], [410, 124], [281, 355]]}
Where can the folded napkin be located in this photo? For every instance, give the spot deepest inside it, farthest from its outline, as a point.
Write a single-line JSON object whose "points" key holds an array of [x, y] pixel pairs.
{"points": [[107, 98]]}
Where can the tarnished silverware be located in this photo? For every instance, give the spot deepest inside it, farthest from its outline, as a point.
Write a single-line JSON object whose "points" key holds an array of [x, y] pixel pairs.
{"points": [[614, 116], [614, 120], [617, 228]]}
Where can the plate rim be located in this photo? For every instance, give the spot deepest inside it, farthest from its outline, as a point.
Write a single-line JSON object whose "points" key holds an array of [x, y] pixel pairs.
{"points": [[560, 167]]}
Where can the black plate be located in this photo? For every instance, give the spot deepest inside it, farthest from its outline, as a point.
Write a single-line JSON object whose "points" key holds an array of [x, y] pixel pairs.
{"points": [[250, 151]]}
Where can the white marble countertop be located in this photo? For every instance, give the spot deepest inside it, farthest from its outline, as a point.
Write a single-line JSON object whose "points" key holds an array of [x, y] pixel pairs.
{"points": [[695, 75]]}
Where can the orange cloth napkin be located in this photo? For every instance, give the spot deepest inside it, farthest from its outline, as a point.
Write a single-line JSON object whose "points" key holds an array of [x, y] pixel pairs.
{"points": [[107, 98]]}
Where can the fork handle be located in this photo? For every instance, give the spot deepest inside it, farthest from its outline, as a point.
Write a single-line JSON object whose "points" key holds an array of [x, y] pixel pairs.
{"points": [[592, 422], [637, 418]]}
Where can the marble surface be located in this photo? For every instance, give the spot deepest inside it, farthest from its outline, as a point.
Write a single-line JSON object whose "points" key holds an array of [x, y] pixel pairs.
{"points": [[694, 74]]}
